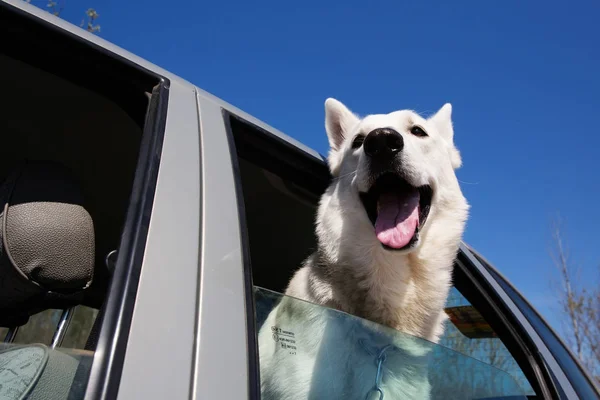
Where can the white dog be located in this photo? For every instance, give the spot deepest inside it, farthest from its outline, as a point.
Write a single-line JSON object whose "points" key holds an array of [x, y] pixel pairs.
{"points": [[388, 227]]}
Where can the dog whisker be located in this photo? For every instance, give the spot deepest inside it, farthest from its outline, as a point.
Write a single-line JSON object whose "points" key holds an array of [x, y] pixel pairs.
{"points": [[345, 175]]}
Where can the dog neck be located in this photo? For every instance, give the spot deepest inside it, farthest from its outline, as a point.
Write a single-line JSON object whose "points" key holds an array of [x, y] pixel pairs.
{"points": [[395, 291]]}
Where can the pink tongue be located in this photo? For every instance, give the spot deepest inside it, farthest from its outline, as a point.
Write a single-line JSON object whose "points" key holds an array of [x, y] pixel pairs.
{"points": [[397, 219]]}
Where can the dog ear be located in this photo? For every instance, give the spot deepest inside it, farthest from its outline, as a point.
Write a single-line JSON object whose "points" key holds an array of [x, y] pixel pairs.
{"points": [[338, 120], [443, 123]]}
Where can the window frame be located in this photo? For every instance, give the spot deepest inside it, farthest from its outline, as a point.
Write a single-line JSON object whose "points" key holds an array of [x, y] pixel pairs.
{"points": [[552, 374], [125, 83], [263, 147], [275, 153], [105, 374], [543, 329], [505, 323]]}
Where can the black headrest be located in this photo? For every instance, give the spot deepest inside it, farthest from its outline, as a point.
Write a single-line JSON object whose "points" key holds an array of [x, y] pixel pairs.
{"points": [[46, 242]]}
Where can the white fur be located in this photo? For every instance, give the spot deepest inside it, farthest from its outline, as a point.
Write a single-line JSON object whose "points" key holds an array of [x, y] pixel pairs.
{"points": [[404, 290]]}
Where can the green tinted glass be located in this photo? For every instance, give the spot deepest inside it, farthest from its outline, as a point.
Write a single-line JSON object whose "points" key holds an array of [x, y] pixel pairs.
{"points": [[310, 351]]}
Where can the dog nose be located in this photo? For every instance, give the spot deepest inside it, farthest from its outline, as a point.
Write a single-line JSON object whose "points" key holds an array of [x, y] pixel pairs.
{"points": [[383, 142]]}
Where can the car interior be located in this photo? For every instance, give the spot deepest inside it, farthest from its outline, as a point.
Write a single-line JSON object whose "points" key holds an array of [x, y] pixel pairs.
{"points": [[72, 126]]}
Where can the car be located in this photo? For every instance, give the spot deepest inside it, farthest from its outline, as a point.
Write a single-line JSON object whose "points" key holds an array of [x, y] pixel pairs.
{"points": [[148, 227]]}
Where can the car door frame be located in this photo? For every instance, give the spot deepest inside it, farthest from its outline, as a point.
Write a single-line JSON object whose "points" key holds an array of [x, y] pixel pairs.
{"points": [[557, 385], [541, 359], [532, 327]]}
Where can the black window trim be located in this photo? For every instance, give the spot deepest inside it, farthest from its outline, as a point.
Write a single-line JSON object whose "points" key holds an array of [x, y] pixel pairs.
{"points": [[256, 146], [497, 274], [516, 338], [252, 339], [105, 374]]}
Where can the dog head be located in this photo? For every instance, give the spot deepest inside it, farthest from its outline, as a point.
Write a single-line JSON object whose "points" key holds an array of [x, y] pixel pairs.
{"points": [[393, 174]]}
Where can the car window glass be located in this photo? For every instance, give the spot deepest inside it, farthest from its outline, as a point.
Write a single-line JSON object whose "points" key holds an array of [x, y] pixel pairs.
{"points": [[80, 327], [41, 328], [468, 333], [349, 351], [576, 378]]}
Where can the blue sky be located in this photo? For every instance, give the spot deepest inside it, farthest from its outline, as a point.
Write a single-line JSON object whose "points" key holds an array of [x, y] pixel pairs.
{"points": [[523, 78]]}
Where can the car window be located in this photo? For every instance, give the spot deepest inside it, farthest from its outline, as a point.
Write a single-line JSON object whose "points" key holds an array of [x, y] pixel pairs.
{"points": [[41, 328], [576, 377], [354, 357], [68, 200], [281, 187], [468, 333]]}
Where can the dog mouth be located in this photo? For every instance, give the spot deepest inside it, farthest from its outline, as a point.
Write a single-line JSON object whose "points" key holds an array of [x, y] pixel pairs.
{"points": [[397, 210]]}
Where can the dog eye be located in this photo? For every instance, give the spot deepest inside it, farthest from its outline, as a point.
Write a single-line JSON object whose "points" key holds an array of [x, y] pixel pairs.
{"points": [[418, 131], [358, 141]]}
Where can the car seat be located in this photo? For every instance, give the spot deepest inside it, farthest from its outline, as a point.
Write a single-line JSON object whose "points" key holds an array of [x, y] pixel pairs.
{"points": [[47, 252]]}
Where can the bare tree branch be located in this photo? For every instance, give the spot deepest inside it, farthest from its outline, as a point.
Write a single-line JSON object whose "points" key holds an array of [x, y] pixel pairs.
{"points": [[92, 15], [580, 306], [56, 7]]}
